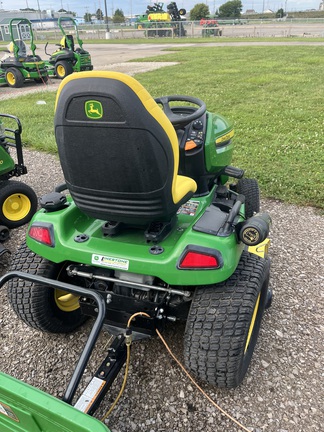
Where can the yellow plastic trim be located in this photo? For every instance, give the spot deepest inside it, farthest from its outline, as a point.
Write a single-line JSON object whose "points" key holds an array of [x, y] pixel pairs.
{"points": [[252, 323], [225, 137], [180, 185], [260, 249]]}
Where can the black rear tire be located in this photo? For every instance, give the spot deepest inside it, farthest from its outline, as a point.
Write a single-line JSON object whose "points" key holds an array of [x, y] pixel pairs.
{"points": [[37, 305], [250, 189], [18, 203], [224, 321]]}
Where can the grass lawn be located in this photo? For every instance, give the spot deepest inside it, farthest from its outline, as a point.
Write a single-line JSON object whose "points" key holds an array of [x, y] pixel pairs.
{"points": [[273, 94]]}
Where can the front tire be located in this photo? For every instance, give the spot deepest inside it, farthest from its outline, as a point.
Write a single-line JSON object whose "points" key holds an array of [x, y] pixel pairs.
{"points": [[42, 307], [250, 189], [224, 321], [18, 203]]}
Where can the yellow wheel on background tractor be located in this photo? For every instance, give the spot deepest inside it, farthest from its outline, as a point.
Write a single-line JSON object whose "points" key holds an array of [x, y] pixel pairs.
{"points": [[18, 203], [14, 78], [16, 207], [63, 68]]}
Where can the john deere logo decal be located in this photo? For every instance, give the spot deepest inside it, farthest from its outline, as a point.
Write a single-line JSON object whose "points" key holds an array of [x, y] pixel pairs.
{"points": [[93, 110]]}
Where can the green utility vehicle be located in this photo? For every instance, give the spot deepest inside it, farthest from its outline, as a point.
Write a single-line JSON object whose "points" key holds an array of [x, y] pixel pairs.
{"points": [[68, 58], [149, 232], [161, 23], [17, 66]]}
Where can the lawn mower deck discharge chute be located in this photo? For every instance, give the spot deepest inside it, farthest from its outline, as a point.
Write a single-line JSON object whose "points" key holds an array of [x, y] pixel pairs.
{"points": [[68, 58], [18, 66], [151, 227]]}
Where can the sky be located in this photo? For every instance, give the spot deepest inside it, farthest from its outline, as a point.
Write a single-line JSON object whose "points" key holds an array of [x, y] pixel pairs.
{"points": [[132, 7]]}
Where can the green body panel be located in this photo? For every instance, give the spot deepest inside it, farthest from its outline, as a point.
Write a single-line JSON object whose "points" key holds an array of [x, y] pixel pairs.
{"points": [[218, 155], [26, 409], [7, 164], [131, 248], [82, 63], [33, 70]]}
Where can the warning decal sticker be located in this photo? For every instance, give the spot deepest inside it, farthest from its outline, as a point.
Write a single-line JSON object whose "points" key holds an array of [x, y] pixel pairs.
{"points": [[189, 208], [106, 261], [7, 411], [89, 395]]}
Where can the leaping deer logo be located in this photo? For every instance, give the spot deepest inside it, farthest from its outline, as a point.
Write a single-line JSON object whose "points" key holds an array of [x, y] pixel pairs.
{"points": [[93, 109]]}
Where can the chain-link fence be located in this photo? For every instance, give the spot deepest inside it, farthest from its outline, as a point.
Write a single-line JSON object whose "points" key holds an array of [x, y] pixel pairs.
{"points": [[193, 29]]}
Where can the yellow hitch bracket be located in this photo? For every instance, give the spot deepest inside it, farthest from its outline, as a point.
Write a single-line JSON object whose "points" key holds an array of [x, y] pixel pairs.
{"points": [[260, 249]]}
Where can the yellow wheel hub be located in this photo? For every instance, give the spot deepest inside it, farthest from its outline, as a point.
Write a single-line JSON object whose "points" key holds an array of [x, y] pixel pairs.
{"points": [[65, 301], [16, 207], [60, 71], [11, 78], [256, 307]]}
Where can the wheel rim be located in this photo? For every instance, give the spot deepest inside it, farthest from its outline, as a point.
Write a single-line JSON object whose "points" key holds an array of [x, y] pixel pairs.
{"points": [[252, 324], [65, 301], [16, 207], [11, 78], [60, 71]]}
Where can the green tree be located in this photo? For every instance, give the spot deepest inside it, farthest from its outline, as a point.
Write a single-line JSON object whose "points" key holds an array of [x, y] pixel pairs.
{"points": [[119, 16], [280, 13], [87, 17], [231, 9], [99, 15], [200, 10]]}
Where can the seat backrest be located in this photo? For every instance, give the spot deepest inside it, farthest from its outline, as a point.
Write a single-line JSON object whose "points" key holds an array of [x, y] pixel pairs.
{"points": [[22, 49], [67, 42], [119, 152]]}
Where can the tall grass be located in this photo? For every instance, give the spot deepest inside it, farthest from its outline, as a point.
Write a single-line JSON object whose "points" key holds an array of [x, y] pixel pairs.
{"points": [[274, 96]]}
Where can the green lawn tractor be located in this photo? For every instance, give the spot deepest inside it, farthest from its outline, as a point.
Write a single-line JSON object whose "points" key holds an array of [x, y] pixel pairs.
{"points": [[68, 58], [18, 201], [17, 66], [146, 230]]}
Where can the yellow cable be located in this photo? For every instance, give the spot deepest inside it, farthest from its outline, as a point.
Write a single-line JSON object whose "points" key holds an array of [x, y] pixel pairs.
{"points": [[122, 387], [179, 364], [126, 367], [135, 315]]}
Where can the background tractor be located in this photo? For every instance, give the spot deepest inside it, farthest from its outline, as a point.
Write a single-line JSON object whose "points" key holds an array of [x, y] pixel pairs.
{"points": [[210, 27], [161, 23], [18, 201], [68, 58], [17, 66]]}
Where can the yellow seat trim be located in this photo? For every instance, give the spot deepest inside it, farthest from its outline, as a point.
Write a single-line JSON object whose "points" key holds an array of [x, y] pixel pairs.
{"points": [[181, 185]]}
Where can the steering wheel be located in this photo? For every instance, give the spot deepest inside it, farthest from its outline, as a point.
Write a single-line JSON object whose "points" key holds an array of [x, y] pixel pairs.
{"points": [[186, 114]]}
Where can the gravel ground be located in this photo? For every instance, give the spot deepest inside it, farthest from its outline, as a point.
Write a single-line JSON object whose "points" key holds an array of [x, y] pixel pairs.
{"points": [[283, 391]]}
